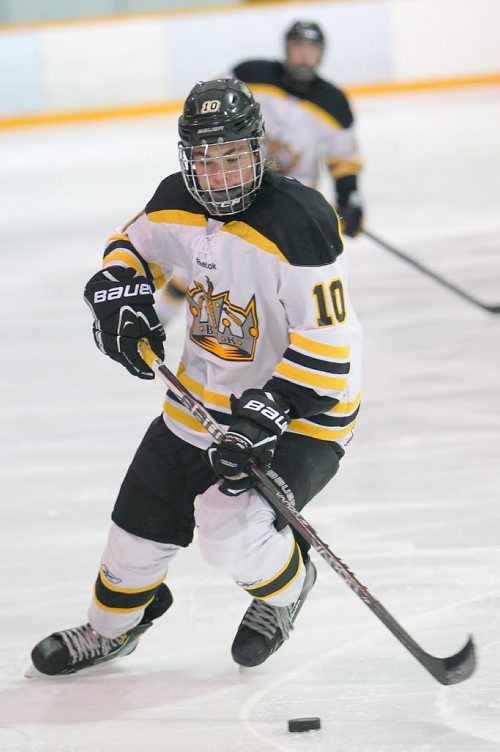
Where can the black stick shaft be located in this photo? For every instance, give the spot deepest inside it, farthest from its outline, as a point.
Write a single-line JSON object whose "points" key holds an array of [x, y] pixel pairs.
{"points": [[450, 670], [433, 275]]}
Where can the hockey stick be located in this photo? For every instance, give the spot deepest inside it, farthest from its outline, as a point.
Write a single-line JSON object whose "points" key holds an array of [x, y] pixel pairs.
{"points": [[433, 275], [456, 668]]}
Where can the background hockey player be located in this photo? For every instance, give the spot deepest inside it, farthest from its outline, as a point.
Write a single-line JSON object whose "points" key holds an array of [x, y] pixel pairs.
{"points": [[272, 350], [309, 122], [309, 129]]}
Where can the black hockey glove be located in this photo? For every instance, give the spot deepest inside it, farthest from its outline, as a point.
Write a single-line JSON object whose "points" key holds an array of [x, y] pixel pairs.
{"points": [[351, 219], [122, 304], [258, 420]]}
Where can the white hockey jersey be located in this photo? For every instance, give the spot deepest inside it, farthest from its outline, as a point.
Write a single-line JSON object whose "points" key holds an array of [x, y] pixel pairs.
{"points": [[303, 131], [268, 303]]}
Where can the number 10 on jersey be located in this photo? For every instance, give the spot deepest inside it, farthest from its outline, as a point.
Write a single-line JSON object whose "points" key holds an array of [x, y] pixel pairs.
{"points": [[330, 303]]}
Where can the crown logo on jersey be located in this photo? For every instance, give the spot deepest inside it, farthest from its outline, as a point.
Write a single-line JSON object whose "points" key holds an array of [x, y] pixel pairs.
{"points": [[219, 326]]}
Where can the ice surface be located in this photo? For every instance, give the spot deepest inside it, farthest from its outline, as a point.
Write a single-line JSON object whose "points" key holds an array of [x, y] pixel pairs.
{"points": [[414, 510]]}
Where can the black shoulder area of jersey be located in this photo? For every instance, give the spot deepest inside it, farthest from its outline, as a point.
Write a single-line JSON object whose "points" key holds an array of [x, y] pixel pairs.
{"points": [[298, 219], [332, 100], [173, 194], [260, 72]]}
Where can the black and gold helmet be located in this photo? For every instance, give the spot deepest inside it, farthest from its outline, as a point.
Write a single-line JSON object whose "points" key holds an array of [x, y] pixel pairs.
{"points": [[222, 136]]}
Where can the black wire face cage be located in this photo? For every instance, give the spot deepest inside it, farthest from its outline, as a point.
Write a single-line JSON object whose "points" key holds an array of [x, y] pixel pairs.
{"points": [[224, 177]]}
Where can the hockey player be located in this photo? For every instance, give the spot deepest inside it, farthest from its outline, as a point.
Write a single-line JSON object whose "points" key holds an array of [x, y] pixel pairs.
{"points": [[272, 350], [309, 126], [308, 120]]}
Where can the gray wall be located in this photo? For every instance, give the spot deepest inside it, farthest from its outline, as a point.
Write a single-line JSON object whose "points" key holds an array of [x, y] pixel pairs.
{"points": [[22, 11]]}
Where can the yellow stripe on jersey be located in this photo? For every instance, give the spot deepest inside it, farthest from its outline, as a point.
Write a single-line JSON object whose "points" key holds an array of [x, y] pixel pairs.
{"points": [[295, 373], [319, 432], [127, 257], [318, 348], [159, 278], [109, 597], [245, 232], [280, 581], [346, 407], [213, 398], [181, 417], [116, 589], [177, 217], [275, 91], [320, 113], [339, 168], [118, 236]]}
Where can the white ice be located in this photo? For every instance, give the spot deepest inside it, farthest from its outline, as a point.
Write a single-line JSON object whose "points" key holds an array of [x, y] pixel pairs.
{"points": [[414, 510]]}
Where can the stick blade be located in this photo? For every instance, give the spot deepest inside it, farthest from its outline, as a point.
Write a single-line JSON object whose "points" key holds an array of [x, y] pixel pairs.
{"points": [[454, 669]]}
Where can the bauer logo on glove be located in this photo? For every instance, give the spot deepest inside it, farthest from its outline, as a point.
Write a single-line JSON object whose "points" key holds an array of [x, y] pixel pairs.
{"points": [[123, 306], [129, 291], [257, 423], [266, 411]]}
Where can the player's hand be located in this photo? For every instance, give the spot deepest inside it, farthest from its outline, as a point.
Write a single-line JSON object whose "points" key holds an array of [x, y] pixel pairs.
{"points": [[258, 420], [122, 304], [351, 219]]}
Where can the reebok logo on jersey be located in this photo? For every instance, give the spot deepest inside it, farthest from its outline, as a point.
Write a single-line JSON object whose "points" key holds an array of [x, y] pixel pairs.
{"points": [[128, 291], [205, 265], [109, 575], [248, 584]]}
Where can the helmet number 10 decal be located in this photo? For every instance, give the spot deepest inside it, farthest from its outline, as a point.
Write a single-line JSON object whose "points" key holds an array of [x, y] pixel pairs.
{"points": [[211, 105], [330, 303]]}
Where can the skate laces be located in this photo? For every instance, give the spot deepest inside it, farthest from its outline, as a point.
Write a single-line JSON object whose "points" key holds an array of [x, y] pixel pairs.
{"points": [[84, 643], [267, 619]]}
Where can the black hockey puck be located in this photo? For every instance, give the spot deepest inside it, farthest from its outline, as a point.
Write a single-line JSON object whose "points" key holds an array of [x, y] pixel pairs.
{"points": [[304, 724]]}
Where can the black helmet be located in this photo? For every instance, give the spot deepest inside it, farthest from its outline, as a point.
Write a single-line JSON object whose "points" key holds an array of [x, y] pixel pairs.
{"points": [[217, 113], [219, 109], [307, 31], [300, 77]]}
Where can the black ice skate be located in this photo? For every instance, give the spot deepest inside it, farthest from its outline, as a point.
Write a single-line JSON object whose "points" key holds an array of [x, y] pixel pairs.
{"points": [[264, 628], [71, 650]]}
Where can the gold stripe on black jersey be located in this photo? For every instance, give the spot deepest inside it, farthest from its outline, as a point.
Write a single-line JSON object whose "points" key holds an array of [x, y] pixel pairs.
{"points": [[109, 597], [177, 217], [248, 233], [301, 376], [320, 113], [280, 581], [275, 91]]}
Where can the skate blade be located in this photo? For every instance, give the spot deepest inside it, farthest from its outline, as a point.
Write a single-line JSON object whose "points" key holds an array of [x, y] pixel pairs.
{"points": [[33, 673]]}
